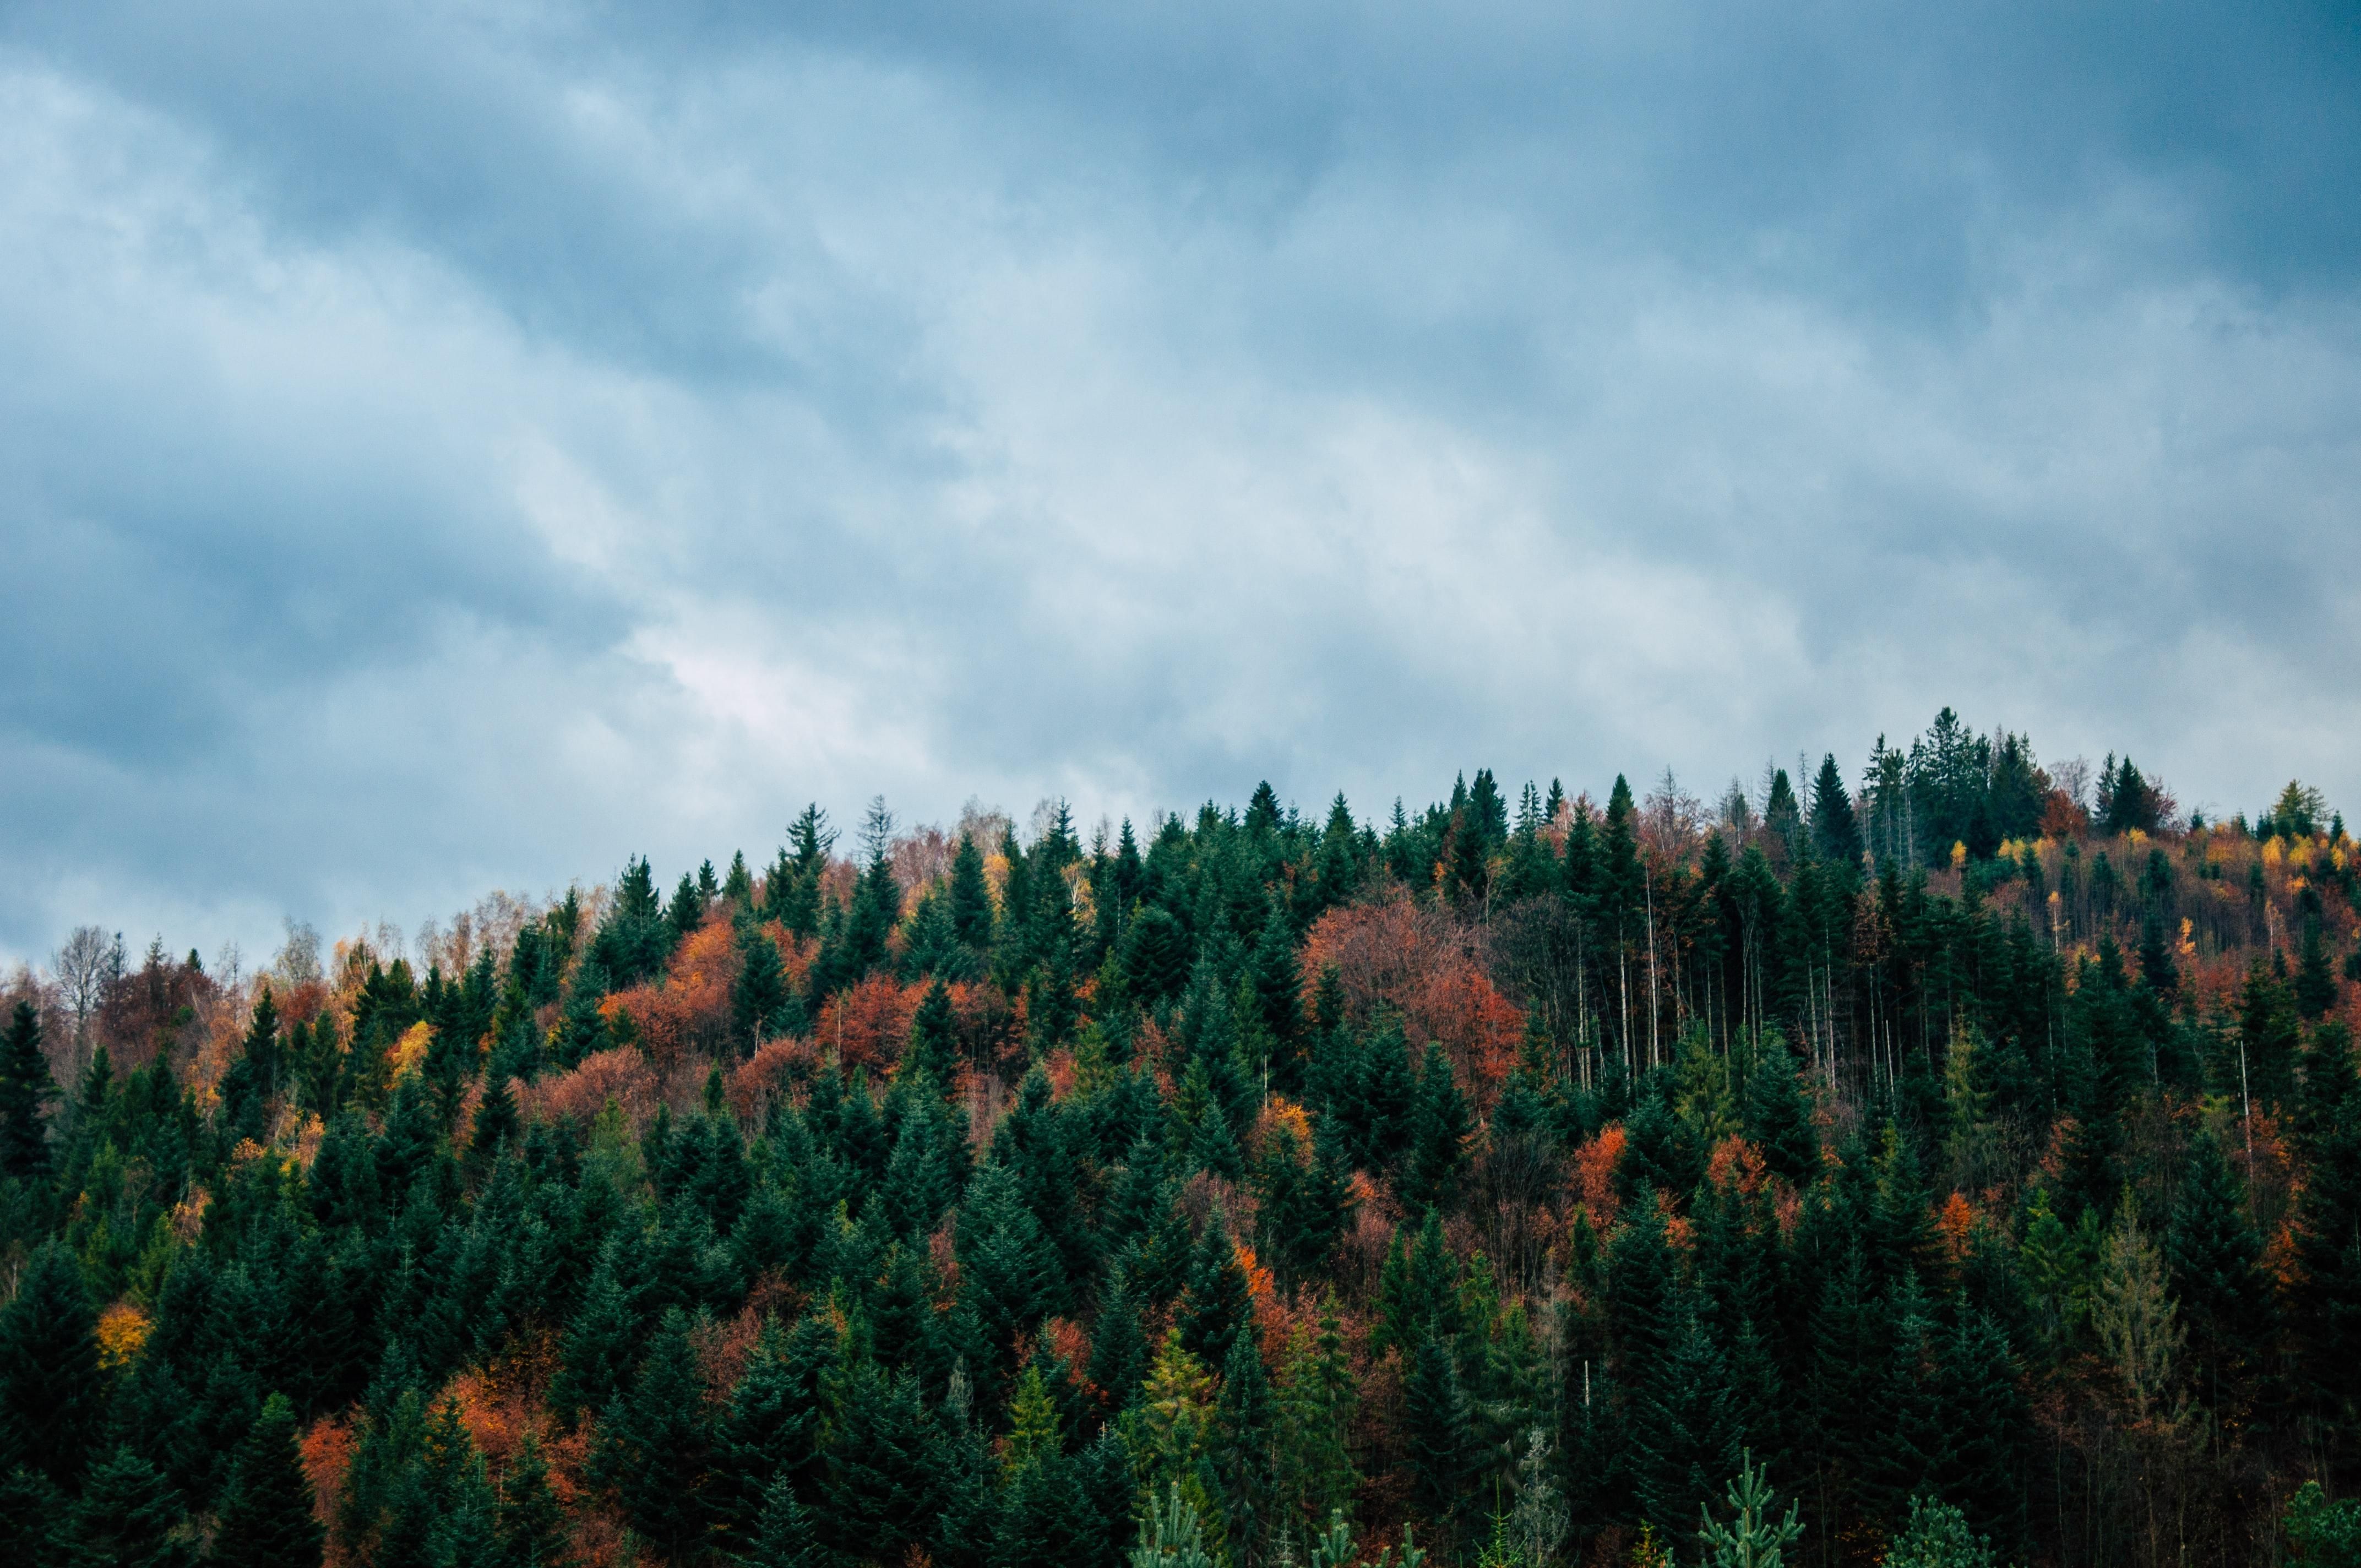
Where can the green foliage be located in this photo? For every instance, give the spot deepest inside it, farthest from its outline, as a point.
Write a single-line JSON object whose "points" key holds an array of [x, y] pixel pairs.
{"points": [[1172, 1535], [1751, 1537], [2323, 1534], [25, 1091], [265, 1517], [128, 1517], [52, 1403], [531, 1529], [1992, 1187], [1937, 1537]]}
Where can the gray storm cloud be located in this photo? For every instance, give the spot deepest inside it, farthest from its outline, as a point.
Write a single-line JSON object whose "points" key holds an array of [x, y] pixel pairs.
{"points": [[455, 448]]}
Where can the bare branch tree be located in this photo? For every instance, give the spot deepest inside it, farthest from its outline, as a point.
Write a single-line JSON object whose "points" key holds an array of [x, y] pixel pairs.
{"points": [[89, 960]]}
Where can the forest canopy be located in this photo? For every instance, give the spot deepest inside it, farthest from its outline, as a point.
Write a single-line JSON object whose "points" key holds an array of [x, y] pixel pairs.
{"points": [[1958, 1164]]}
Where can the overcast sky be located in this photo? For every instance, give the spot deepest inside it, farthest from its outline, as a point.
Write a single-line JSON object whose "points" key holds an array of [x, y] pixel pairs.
{"points": [[447, 447]]}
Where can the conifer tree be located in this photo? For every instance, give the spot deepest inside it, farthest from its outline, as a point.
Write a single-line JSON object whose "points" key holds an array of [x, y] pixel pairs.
{"points": [[656, 1443], [1314, 1474], [51, 1398], [1172, 1535], [2215, 1256], [971, 896], [1243, 1422], [25, 1091], [1154, 957], [1684, 1431], [1008, 1270], [2270, 1036], [1937, 1537], [934, 1045], [265, 1519], [127, 1516], [1778, 1118], [1437, 1441], [1118, 1348], [1835, 832], [686, 912], [2327, 1307], [1980, 1424], [1640, 1300], [1216, 1309], [785, 1539], [582, 1031], [531, 1529], [1215, 1149], [602, 1341], [1440, 1125], [1752, 1538], [885, 1486], [758, 997], [497, 1123]]}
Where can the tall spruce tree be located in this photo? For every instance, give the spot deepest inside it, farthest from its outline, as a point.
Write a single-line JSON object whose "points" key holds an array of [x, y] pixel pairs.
{"points": [[655, 1445], [265, 1517], [26, 1090], [1438, 1444], [52, 1400], [127, 1516], [1835, 834], [531, 1527], [1440, 1126]]}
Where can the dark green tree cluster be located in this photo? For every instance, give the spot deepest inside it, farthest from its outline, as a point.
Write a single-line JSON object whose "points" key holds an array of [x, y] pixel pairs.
{"points": [[1840, 1195]]}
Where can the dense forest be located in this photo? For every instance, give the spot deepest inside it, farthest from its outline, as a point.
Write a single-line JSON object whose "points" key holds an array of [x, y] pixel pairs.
{"points": [[1960, 1168]]}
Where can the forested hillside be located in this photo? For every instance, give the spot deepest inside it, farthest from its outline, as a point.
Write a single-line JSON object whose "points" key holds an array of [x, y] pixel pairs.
{"points": [[1975, 1153]]}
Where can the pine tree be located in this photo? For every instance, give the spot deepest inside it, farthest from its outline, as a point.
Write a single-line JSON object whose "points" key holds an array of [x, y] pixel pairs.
{"points": [[1315, 1478], [1937, 1537], [773, 1424], [1172, 1535], [31, 1510], [1684, 1431], [602, 1341], [26, 1090], [1438, 1446], [1215, 1149], [655, 1445], [1980, 1423], [1440, 1126], [1640, 1293], [758, 997], [1835, 832], [1008, 1271], [127, 1516], [1154, 957], [971, 896], [2215, 1257], [1118, 1348], [934, 1045], [2326, 1309], [52, 1397], [2315, 989], [582, 1031], [785, 1539], [1778, 1117], [265, 1517], [884, 1484], [1244, 1419], [1279, 986], [1752, 1538], [530, 1526], [2269, 1035], [1218, 1308], [497, 1123]]}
